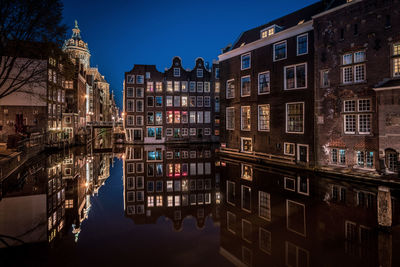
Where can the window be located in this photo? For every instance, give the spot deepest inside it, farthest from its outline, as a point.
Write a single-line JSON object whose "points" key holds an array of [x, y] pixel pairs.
{"points": [[246, 144], [216, 73], [139, 105], [150, 87], [184, 86], [396, 60], [230, 192], [199, 116], [231, 222], [159, 101], [263, 117], [177, 85], [159, 120], [352, 70], [184, 118], [130, 105], [139, 92], [265, 240], [159, 87], [177, 117], [199, 73], [139, 79], [206, 87], [207, 101], [295, 117], [288, 149], [245, 86], [130, 92], [192, 117], [177, 101], [184, 101], [264, 205], [246, 198], [302, 44], [263, 83], [192, 87], [338, 156], [267, 32], [289, 184], [200, 87], [365, 159], [230, 118], [170, 117], [130, 79], [169, 87], [246, 172], [295, 76], [245, 118], [192, 101], [325, 78], [150, 101], [150, 118], [230, 89], [177, 72], [245, 61], [199, 101], [280, 51], [362, 120], [217, 87], [169, 101], [246, 230]]}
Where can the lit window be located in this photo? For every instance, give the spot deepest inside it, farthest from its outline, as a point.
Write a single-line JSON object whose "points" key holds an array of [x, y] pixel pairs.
{"points": [[245, 118], [246, 144], [169, 87], [150, 87], [170, 117], [295, 117], [159, 87], [263, 117], [288, 149], [176, 86], [396, 60], [169, 101]]}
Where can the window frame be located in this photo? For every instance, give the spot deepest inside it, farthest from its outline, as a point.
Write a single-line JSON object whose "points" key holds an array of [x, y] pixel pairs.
{"points": [[295, 76], [241, 61], [286, 117], [269, 83], [273, 50], [258, 117], [297, 44]]}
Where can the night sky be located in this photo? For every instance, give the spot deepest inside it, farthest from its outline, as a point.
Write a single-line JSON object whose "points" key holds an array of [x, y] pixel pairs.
{"points": [[122, 33]]}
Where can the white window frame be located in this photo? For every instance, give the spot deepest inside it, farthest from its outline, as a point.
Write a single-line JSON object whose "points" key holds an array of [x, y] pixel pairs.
{"points": [[241, 144], [241, 118], [269, 117], [258, 83], [199, 74], [295, 76], [297, 44], [298, 151], [286, 117], [273, 50], [284, 150], [177, 72], [226, 126], [241, 61], [241, 86], [234, 89]]}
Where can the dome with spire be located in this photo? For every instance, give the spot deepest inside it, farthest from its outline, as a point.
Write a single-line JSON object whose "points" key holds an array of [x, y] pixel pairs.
{"points": [[76, 48]]}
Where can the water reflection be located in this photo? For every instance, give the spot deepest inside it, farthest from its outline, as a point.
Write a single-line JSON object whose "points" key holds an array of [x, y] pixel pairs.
{"points": [[282, 218], [176, 196], [50, 194], [172, 181]]}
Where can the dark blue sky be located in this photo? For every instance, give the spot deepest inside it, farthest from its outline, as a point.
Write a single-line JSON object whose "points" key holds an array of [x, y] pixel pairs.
{"points": [[122, 33]]}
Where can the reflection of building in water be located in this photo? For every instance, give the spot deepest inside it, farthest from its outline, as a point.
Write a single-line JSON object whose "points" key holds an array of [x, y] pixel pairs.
{"points": [[294, 219], [44, 198], [171, 181]]}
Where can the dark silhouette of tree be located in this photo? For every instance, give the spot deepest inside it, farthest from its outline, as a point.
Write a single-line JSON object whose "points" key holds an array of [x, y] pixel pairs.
{"points": [[29, 32]]}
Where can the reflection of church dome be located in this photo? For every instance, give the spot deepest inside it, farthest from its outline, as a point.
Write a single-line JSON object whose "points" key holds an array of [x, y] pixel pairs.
{"points": [[76, 47]]}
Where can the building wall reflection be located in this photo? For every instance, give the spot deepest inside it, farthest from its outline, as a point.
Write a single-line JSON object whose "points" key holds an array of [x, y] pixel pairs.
{"points": [[171, 181], [283, 218]]}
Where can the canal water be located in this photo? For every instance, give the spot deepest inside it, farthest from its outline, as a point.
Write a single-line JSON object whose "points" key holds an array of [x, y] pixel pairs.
{"points": [[187, 206]]}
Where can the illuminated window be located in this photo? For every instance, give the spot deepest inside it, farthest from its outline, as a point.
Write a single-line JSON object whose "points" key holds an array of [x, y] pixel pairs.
{"points": [[245, 118], [247, 172], [184, 101], [184, 86], [150, 87], [246, 144], [169, 87], [396, 60], [176, 86], [159, 201], [295, 117], [159, 87], [245, 86], [263, 117], [150, 201]]}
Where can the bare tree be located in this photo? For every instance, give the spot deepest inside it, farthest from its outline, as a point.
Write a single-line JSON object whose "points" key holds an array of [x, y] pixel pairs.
{"points": [[29, 29]]}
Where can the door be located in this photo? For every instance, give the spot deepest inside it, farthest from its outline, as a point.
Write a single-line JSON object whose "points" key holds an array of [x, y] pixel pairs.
{"points": [[302, 153]]}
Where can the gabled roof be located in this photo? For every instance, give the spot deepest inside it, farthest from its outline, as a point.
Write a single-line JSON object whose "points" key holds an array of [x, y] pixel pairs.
{"points": [[300, 16]]}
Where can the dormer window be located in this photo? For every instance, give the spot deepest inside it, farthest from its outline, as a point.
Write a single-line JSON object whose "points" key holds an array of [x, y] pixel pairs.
{"points": [[269, 31], [199, 73]]}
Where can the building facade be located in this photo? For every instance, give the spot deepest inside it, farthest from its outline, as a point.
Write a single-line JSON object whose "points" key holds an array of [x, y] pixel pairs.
{"points": [[177, 105], [267, 97], [357, 86]]}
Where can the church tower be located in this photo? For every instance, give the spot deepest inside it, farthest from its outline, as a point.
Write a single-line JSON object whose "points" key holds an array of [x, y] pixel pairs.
{"points": [[76, 48]]}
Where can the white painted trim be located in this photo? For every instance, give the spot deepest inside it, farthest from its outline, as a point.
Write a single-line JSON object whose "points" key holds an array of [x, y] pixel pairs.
{"points": [[386, 88], [258, 82], [298, 186], [298, 152], [241, 86], [295, 76], [241, 61], [241, 118], [286, 117], [289, 154], [287, 188], [226, 122], [241, 144], [277, 37], [234, 192], [226, 89], [258, 117], [273, 51], [297, 44]]}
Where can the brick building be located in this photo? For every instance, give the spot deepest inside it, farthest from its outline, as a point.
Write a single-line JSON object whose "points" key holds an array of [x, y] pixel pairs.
{"points": [[177, 105], [357, 86], [268, 90]]}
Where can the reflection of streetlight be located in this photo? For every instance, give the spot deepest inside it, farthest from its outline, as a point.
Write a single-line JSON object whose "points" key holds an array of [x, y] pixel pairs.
{"points": [[86, 184], [86, 96]]}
